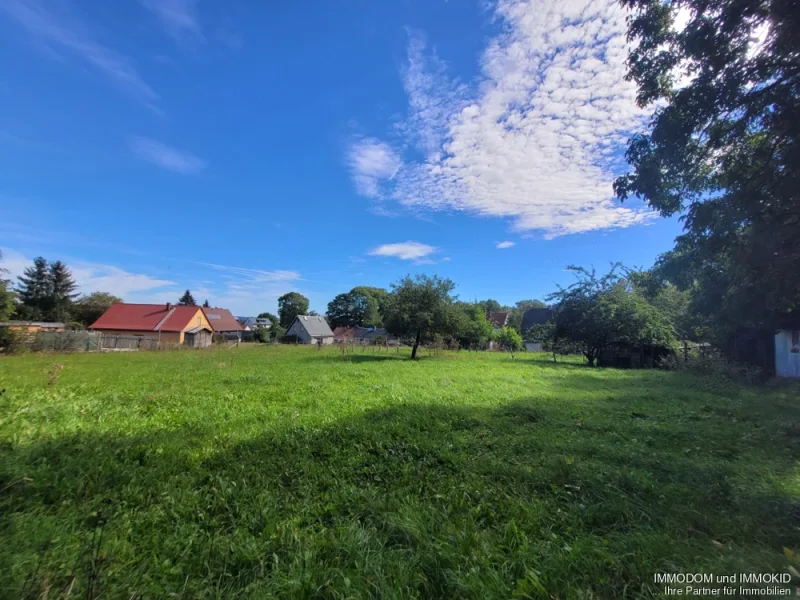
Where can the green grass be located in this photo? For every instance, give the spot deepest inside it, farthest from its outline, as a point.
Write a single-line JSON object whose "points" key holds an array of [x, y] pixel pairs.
{"points": [[292, 472]]}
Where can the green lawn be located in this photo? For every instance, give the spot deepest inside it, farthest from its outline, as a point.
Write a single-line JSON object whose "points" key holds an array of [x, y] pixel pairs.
{"points": [[292, 472]]}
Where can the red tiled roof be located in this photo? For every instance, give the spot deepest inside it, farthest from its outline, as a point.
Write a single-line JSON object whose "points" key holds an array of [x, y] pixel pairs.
{"points": [[146, 317], [498, 318], [221, 319]]}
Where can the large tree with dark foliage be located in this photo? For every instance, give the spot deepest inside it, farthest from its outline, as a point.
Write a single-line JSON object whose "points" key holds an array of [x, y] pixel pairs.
{"points": [[723, 149], [291, 305], [62, 292], [353, 309], [472, 328], [88, 309], [598, 312], [419, 308], [33, 291], [187, 299]]}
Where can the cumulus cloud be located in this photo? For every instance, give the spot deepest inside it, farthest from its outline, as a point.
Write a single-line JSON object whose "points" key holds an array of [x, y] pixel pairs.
{"points": [[405, 251], [503, 245], [371, 163], [166, 157], [538, 138]]}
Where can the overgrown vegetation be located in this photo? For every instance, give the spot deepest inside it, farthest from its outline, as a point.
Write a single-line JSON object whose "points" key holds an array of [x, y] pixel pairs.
{"points": [[275, 471]]}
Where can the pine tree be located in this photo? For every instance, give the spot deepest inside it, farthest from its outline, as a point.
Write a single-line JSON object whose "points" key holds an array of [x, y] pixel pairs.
{"points": [[206, 304], [34, 291], [62, 293], [187, 299]]}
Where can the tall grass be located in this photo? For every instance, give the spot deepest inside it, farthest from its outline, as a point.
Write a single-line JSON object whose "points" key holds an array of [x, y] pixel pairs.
{"points": [[296, 472]]}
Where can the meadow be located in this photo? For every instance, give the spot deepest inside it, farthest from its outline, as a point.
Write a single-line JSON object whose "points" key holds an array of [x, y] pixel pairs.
{"points": [[262, 472]]}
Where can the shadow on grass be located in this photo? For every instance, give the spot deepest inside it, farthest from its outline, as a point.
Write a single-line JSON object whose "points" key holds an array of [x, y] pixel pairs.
{"points": [[421, 501]]}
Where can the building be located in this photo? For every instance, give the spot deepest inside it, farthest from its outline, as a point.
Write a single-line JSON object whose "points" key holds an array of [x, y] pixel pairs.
{"points": [[253, 323], [223, 322], [776, 350], [787, 353], [162, 323], [311, 330], [531, 318], [343, 335], [498, 321], [33, 327]]}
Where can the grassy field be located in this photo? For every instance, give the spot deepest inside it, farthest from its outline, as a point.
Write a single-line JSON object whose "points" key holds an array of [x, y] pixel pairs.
{"points": [[291, 472]]}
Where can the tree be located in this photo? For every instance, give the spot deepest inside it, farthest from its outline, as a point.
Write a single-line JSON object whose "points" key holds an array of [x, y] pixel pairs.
{"points": [[381, 297], [187, 299], [88, 309], [353, 309], [490, 306], [510, 340], [596, 313], [722, 150], [206, 304], [276, 331], [7, 300], [520, 308], [34, 291], [472, 328], [290, 306], [62, 292], [419, 308]]}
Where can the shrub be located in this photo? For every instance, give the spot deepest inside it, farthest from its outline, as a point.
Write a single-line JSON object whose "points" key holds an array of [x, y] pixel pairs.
{"points": [[289, 339]]}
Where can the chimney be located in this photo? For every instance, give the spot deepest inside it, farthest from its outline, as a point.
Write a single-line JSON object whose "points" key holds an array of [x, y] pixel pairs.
{"points": [[169, 306]]}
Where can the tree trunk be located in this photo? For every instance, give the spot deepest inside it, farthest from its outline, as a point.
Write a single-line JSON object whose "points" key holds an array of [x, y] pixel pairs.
{"points": [[416, 345], [590, 356]]}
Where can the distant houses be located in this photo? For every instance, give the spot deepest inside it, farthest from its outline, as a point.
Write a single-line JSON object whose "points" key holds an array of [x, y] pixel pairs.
{"points": [[253, 323], [224, 323], [310, 329], [32, 327], [363, 335]]}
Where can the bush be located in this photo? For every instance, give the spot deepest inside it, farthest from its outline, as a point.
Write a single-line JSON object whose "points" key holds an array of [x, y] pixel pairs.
{"points": [[11, 342], [289, 339]]}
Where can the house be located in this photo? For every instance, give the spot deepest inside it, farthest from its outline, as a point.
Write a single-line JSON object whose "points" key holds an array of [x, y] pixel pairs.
{"points": [[311, 330], [531, 318], [497, 319], [33, 327], [223, 322], [253, 323], [164, 323], [373, 335], [344, 334]]}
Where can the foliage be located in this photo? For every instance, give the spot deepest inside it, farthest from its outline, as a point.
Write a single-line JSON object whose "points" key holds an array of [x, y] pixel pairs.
{"points": [[369, 476], [7, 298], [420, 307], [600, 312], [510, 339], [187, 299], [206, 304], [381, 297], [276, 331], [490, 306], [471, 327], [46, 292], [353, 309], [722, 150], [88, 308], [289, 339], [264, 335], [291, 305]]}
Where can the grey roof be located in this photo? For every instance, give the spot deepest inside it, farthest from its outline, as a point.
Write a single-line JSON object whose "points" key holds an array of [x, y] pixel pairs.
{"points": [[198, 328], [536, 316], [370, 333], [315, 326]]}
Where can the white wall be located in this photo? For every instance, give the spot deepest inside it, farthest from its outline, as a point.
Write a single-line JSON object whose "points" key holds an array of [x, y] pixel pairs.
{"points": [[787, 363]]}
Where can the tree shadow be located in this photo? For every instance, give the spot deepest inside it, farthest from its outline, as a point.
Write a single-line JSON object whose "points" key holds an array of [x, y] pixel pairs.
{"points": [[407, 501]]}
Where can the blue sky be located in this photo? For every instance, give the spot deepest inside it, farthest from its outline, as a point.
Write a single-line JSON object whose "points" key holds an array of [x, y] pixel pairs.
{"points": [[245, 149]]}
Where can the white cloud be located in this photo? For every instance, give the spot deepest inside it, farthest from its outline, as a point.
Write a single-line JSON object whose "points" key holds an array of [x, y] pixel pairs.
{"points": [[503, 245], [91, 277], [538, 138], [179, 17], [65, 32], [371, 163], [165, 156], [405, 250]]}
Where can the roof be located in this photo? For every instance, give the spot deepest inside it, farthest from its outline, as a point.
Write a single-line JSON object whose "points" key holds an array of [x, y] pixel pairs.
{"points": [[47, 324], [315, 326], [344, 332], [370, 333], [221, 319], [536, 316], [146, 317], [498, 318], [198, 328]]}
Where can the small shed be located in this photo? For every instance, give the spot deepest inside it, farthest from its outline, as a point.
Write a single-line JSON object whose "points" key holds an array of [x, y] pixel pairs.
{"points": [[198, 337], [787, 353]]}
